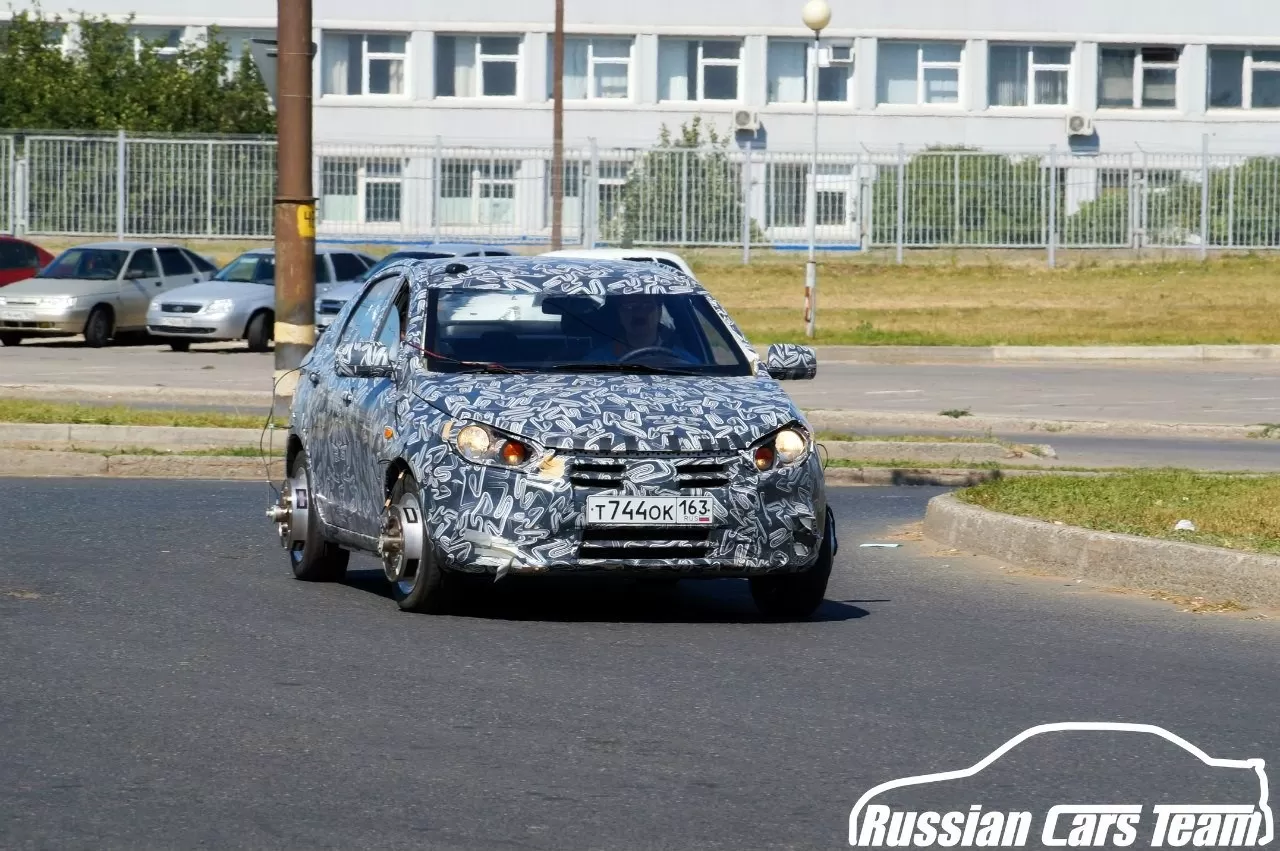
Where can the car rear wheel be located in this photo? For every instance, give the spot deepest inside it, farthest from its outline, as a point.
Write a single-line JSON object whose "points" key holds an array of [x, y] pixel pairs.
{"points": [[97, 331], [796, 596], [418, 584], [180, 345], [9, 338], [312, 558], [259, 332]]}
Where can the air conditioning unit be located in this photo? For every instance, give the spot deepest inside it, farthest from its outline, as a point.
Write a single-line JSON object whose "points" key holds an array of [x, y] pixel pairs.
{"points": [[746, 120], [1079, 125]]}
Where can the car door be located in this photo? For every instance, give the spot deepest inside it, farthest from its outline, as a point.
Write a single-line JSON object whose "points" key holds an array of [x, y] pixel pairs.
{"points": [[176, 269], [338, 458], [373, 410], [142, 282]]}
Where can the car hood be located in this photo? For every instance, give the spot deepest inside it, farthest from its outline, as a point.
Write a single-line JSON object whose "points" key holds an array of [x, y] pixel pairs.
{"points": [[60, 286], [341, 292], [634, 413]]}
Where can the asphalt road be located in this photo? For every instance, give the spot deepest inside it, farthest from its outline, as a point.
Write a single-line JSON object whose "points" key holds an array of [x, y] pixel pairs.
{"points": [[1240, 393], [166, 684]]}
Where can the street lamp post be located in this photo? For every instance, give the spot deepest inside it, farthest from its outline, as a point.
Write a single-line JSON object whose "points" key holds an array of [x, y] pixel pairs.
{"points": [[816, 15]]}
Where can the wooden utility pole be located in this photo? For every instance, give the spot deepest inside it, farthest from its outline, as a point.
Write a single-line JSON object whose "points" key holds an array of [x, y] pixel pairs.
{"points": [[557, 130], [295, 204]]}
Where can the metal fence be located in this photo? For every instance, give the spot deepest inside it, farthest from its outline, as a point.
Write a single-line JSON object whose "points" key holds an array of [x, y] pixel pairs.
{"points": [[222, 188]]}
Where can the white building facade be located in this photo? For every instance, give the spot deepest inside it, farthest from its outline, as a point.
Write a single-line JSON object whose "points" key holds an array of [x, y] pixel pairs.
{"points": [[423, 78]]}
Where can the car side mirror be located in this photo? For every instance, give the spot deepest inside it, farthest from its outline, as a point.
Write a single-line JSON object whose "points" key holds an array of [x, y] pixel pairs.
{"points": [[363, 360], [789, 362]]}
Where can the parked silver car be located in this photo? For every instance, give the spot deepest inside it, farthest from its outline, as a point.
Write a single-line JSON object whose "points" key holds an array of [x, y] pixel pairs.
{"points": [[239, 303], [99, 290], [331, 303]]}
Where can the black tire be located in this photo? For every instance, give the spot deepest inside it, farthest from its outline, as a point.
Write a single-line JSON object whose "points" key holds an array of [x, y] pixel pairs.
{"points": [[795, 596], [259, 332], [98, 329], [430, 590], [180, 345], [315, 559], [10, 338]]}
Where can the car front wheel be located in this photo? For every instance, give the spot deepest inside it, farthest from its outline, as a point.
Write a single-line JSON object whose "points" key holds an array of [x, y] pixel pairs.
{"points": [[418, 584], [796, 596], [180, 345]]}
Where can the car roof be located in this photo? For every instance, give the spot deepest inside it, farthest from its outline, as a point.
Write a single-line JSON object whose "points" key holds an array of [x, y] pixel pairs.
{"points": [[562, 276], [320, 249]]}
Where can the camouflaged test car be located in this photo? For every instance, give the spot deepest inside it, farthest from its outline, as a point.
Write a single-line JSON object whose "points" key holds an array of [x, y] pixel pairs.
{"points": [[543, 416]]}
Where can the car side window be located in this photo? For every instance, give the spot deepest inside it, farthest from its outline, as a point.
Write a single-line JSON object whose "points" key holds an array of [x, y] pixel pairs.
{"points": [[347, 267], [322, 270], [12, 256], [144, 261], [363, 322], [201, 264], [173, 262], [396, 322]]}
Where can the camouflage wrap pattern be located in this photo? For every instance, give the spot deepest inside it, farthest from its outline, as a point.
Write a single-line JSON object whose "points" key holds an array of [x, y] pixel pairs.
{"points": [[589, 434]]}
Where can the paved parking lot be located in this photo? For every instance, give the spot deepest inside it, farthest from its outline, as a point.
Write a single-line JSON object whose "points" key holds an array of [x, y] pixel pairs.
{"points": [[1240, 393]]}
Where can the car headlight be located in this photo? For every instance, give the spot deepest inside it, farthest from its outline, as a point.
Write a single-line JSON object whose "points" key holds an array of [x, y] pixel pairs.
{"points": [[58, 302], [219, 306], [482, 444], [781, 449]]}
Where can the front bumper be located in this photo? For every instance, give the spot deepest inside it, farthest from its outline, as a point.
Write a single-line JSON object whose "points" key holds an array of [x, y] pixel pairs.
{"points": [[488, 520], [196, 326], [35, 321]]}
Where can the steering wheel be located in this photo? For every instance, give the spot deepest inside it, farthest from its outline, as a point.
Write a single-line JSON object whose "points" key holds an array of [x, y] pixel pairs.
{"points": [[634, 353]]}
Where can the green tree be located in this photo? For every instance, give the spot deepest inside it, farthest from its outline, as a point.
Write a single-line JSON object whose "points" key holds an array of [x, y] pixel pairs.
{"points": [[101, 85], [685, 191]]}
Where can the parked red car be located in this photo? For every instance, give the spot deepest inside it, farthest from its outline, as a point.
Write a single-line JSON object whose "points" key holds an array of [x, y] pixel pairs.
{"points": [[20, 259]]}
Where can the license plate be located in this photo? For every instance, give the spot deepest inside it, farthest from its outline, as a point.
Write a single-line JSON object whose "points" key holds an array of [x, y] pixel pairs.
{"points": [[177, 321], [651, 510], [17, 315]]}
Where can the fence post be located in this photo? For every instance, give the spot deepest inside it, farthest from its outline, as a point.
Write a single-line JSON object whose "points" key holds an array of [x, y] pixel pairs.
{"points": [[746, 204], [437, 178], [121, 179], [1231, 204], [591, 199], [21, 194], [208, 191], [900, 225], [684, 197], [1053, 206], [1204, 196], [11, 194], [955, 204]]}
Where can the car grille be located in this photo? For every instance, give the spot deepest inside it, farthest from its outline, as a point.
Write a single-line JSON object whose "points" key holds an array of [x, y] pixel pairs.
{"points": [[643, 542], [330, 306], [180, 308], [175, 329], [608, 473]]}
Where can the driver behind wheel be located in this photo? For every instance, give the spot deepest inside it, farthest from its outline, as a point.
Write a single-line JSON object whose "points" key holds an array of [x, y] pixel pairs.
{"points": [[639, 318]]}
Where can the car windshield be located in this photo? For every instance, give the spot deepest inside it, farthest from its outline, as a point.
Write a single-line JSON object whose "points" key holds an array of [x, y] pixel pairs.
{"points": [[404, 255], [249, 269], [91, 264], [658, 333]]}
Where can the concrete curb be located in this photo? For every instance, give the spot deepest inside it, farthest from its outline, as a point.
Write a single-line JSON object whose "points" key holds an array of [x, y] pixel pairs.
{"points": [[853, 420], [1128, 561], [1039, 354], [38, 463]]}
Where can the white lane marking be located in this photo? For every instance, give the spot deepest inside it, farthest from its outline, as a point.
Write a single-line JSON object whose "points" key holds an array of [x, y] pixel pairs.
{"points": [[888, 392]]}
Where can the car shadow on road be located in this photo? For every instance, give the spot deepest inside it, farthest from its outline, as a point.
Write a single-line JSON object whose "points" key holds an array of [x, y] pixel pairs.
{"points": [[607, 600]]}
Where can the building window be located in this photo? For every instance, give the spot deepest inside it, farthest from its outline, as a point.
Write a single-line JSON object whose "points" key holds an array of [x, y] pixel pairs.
{"points": [[477, 66], [165, 42], [237, 42], [361, 190], [788, 72], [1244, 79], [478, 192], [1029, 75], [918, 73], [594, 68], [698, 70], [363, 64], [1138, 77]]}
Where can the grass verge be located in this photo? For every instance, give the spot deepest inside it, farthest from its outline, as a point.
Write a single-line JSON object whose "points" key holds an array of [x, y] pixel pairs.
{"points": [[23, 411], [1235, 512], [220, 452]]}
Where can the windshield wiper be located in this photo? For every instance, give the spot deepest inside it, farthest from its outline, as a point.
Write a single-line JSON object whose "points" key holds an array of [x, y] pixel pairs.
{"points": [[642, 368], [492, 368]]}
